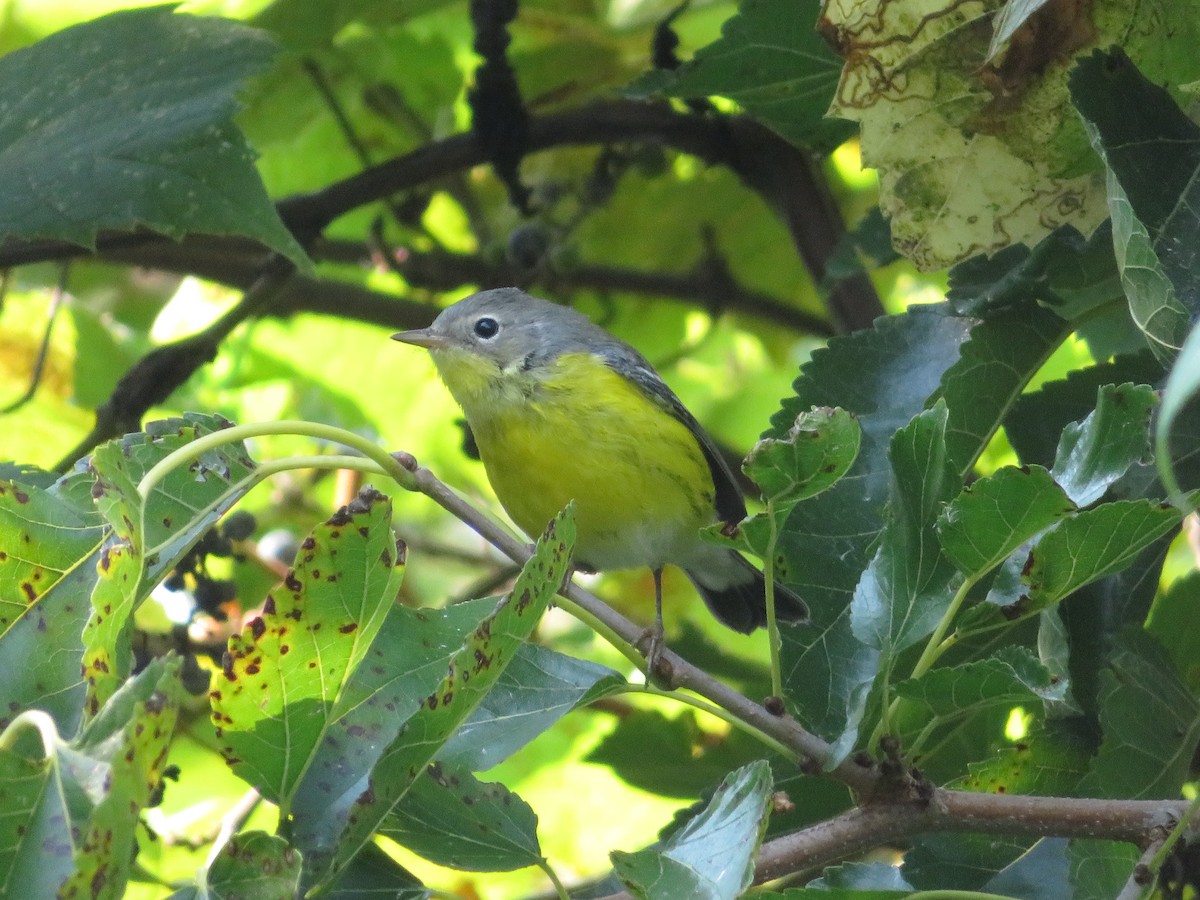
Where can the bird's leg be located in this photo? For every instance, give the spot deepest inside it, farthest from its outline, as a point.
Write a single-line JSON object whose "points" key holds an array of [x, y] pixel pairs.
{"points": [[654, 634]]}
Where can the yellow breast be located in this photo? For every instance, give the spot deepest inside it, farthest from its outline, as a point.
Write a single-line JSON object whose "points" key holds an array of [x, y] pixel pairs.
{"points": [[576, 430]]}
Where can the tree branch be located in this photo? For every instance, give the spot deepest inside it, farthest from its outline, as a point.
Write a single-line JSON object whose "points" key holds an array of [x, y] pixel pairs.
{"points": [[894, 806], [779, 172]]}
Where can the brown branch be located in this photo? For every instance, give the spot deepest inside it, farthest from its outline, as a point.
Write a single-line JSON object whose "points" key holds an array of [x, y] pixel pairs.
{"points": [[781, 173], [893, 807], [157, 374]]}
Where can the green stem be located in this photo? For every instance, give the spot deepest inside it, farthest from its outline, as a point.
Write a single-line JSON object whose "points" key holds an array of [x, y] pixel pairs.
{"points": [[773, 638], [933, 647], [718, 711], [559, 888], [387, 463], [38, 720]]}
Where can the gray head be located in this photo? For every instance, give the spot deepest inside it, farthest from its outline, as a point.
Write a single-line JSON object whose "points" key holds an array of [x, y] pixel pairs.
{"points": [[507, 327]]}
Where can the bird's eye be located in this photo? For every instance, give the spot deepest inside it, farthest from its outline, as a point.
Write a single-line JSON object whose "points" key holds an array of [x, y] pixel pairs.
{"points": [[486, 327]]}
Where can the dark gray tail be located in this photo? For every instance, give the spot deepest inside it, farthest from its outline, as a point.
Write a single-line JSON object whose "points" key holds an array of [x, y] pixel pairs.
{"points": [[740, 601]]}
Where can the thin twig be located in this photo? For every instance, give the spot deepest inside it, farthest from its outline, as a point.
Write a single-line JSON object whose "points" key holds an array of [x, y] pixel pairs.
{"points": [[39, 364]]}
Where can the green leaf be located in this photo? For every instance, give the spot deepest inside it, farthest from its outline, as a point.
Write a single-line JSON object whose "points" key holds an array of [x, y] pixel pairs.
{"points": [[1073, 274], [997, 514], [1151, 724], [819, 449], [1091, 545], [995, 365], [1172, 624], [42, 591], [473, 671], [285, 678], [1036, 422], [770, 60], [1151, 150], [1097, 451], [451, 818], [1013, 676], [1100, 868], [1171, 434], [910, 582], [126, 122], [883, 377], [150, 535], [1050, 761], [538, 688], [687, 760], [75, 809], [373, 874], [254, 864], [713, 855]]}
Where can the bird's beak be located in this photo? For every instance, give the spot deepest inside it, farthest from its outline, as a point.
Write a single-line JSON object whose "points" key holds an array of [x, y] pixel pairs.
{"points": [[421, 337]]}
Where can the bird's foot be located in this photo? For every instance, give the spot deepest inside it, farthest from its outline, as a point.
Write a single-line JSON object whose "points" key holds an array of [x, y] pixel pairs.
{"points": [[658, 668]]}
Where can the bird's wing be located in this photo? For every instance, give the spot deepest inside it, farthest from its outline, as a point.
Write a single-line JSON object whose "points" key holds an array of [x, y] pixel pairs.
{"points": [[731, 507]]}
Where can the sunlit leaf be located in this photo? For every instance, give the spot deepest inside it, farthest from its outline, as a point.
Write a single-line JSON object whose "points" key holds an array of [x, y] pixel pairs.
{"points": [[285, 679], [473, 671]]}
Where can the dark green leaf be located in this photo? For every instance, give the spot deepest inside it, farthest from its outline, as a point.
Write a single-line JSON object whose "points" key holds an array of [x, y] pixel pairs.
{"points": [[771, 60], [963, 862], [994, 367], [883, 377], [1097, 451], [997, 514], [1152, 151], [451, 818], [1036, 422], [126, 122], [1151, 724], [1039, 874], [1100, 868], [374, 875], [1012, 677], [686, 762], [711, 856], [910, 582], [538, 688]]}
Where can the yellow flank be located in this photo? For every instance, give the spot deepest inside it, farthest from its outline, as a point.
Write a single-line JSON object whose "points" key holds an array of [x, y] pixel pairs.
{"points": [[574, 429]]}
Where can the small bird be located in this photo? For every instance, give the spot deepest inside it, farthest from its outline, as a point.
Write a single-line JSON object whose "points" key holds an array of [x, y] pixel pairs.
{"points": [[561, 410]]}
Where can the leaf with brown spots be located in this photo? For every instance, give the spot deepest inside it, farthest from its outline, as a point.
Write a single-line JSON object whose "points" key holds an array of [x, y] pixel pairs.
{"points": [[77, 811], [286, 676], [254, 864], [474, 669]]}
